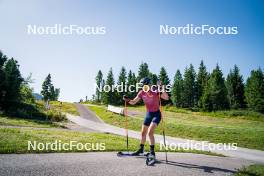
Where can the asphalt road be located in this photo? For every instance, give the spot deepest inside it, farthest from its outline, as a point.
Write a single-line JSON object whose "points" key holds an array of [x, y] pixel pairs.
{"points": [[107, 163], [87, 113]]}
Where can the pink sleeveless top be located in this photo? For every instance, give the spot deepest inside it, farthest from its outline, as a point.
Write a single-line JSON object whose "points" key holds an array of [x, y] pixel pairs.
{"points": [[151, 100]]}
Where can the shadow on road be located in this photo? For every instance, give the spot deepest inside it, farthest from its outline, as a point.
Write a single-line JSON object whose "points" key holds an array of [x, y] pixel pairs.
{"points": [[208, 169]]}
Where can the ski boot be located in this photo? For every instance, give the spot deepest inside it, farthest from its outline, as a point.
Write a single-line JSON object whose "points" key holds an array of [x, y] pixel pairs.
{"points": [[139, 152]]}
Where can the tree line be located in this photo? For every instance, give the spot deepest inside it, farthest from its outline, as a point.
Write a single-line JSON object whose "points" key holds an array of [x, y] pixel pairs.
{"points": [[16, 95], [12, 85], [202, 90]]}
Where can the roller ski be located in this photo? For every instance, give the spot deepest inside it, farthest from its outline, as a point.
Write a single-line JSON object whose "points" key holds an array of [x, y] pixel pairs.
{"points": [[150, 159], [139, 152], [120, 154]]}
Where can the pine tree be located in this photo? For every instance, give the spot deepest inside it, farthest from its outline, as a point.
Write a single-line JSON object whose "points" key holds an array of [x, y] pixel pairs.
{"points": [[202, 78], [57, 94], [153, 78], [164, 79], [254, 90], [13, 81], [3, 59], [102, 93], [98, 79], [215, 95], [54, 93], [163, 76], [46, 85], [122, 78], [49, 92], [143, 71], [131, 80], [189, 87], [177, 89], [109, 97], [235, 88]]}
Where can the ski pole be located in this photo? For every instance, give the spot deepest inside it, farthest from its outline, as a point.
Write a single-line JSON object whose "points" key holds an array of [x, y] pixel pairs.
{"points": [[163, 128], [125, 113]]}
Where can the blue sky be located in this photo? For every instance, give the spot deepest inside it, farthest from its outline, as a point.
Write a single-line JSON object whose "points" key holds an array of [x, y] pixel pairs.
{"points": [[132, 37]]}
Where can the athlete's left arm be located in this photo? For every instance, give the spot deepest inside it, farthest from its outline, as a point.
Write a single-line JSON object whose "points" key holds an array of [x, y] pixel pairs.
{"points": [[165, 96]]}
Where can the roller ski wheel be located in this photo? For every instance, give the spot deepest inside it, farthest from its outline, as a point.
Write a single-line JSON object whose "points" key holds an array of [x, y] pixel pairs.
{"points": [[150, 159]]}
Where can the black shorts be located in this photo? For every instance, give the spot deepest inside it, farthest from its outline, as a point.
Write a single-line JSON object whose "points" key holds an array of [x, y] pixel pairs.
{"points": [[152, 117]]}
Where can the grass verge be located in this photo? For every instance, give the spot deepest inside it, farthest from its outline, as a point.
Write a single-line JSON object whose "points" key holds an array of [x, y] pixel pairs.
{"points": [[252, 170], [15, 140], [238, 114], [64, 107], [13, 121], [246, 133]]}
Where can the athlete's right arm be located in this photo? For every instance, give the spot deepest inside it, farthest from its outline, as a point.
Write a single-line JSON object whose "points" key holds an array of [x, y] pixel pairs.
{"points": [[134, 101]]}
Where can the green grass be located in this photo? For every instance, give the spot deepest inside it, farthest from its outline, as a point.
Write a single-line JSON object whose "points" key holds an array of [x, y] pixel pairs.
{"points": [[15, 140], [65, 107], [252, 170], [13, 121], [238, 114], [185, 124], [91, 103]]}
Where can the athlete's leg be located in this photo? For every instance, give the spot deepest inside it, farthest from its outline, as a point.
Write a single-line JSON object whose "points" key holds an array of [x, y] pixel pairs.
{"points": [[155, 122], [144, 131], [151, 131], [145, 127], [153, 125]]}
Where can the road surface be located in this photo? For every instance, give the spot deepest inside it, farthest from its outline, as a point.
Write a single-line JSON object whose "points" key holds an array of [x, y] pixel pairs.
{"points": [[107, 163], [87, 113]]}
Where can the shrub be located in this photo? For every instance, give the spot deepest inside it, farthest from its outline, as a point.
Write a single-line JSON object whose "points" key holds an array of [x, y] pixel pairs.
{"points": [[56, 116]]}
